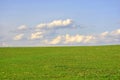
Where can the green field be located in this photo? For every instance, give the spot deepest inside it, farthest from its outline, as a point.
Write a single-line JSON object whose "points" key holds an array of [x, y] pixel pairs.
{"points": [[60, 63]]}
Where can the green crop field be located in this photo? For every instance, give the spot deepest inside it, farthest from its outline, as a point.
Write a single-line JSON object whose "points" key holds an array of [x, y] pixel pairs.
{"points": [[60, 63]]}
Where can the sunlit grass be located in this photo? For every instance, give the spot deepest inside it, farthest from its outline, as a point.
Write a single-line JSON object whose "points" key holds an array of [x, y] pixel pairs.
{"points": [[60, 63]]}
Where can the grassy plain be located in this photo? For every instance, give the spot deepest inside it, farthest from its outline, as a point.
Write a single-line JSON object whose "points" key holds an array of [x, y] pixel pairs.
{"points": [[60, 63]]}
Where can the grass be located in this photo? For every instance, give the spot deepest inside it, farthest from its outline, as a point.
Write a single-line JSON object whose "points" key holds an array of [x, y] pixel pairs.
{"points": [[60, 63]]}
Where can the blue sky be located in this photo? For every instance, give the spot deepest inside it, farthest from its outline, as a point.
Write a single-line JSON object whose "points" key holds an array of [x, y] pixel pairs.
{"points": [[85, 17]]}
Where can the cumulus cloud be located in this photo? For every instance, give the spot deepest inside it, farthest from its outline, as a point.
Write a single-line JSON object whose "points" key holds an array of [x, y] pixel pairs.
{"points": [[69, 39], [89, 39], [104, 34], [42, 25], [116, 32], [72, 39], [22, 27], [55, 24], [112, 36], [56, 40], [18, 37], [36, 35], [105, 37]]}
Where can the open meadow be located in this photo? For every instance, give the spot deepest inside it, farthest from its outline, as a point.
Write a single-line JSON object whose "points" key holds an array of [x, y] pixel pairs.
{"points": [[60, 63]]}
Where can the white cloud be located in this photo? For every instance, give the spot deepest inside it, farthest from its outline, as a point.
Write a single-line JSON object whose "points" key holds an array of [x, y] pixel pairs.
{"points": [[22, 27], [89, 39], [104, 34], [56, 40], [36, 35], [116, 32], [55, 24], [42, 25], [60, 23], [70, 39], [78, 39], [18, 37], [73, 39], [105, 37]]}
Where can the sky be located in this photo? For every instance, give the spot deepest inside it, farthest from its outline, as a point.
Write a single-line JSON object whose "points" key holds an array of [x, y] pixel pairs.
{"points": [[59, 22]]}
